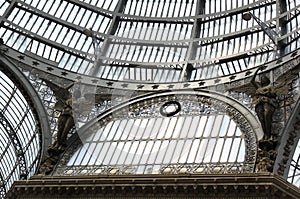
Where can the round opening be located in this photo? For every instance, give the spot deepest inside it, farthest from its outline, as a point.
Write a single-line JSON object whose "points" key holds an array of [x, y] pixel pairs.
{"points": [[170, 108]]}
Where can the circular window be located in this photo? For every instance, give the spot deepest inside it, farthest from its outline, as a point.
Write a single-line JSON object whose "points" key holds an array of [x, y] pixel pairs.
{"points": [[170, 108]]}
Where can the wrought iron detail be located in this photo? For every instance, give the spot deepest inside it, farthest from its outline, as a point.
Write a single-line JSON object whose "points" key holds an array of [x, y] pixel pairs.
{"points": [[149, 107], [2, 186], [17, 146], [289, 62]]}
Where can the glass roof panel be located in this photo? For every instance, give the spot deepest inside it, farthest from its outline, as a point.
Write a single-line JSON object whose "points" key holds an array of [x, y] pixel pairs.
{"points": [[212, 36], [157, 8], [141, 146], [19, 138], [294, 172]]}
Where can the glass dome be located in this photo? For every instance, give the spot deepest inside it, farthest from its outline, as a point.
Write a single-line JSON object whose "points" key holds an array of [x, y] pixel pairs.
{"points": [[124, 50], [169, 42]]}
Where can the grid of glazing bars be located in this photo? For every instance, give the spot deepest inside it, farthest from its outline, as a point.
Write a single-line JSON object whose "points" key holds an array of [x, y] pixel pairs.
{"points": [[294, 173], [153, 36], [146, 144], [19, 137]]}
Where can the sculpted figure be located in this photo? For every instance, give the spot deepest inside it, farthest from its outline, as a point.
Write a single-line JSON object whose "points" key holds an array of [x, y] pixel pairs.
{"points": [[264, 96], [265, 102], [65, 120], [68, 103]]}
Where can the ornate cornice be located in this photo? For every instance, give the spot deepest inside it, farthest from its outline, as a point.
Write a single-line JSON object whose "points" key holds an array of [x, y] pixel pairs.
{"points": [[264, 185]]}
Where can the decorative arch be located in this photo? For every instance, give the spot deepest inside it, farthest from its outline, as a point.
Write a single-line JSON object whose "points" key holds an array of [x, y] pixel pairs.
{"points": [[146, 108]]}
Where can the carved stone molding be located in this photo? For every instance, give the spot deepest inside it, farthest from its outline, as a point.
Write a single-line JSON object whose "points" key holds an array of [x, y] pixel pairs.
{"points": [[264, 186]]}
